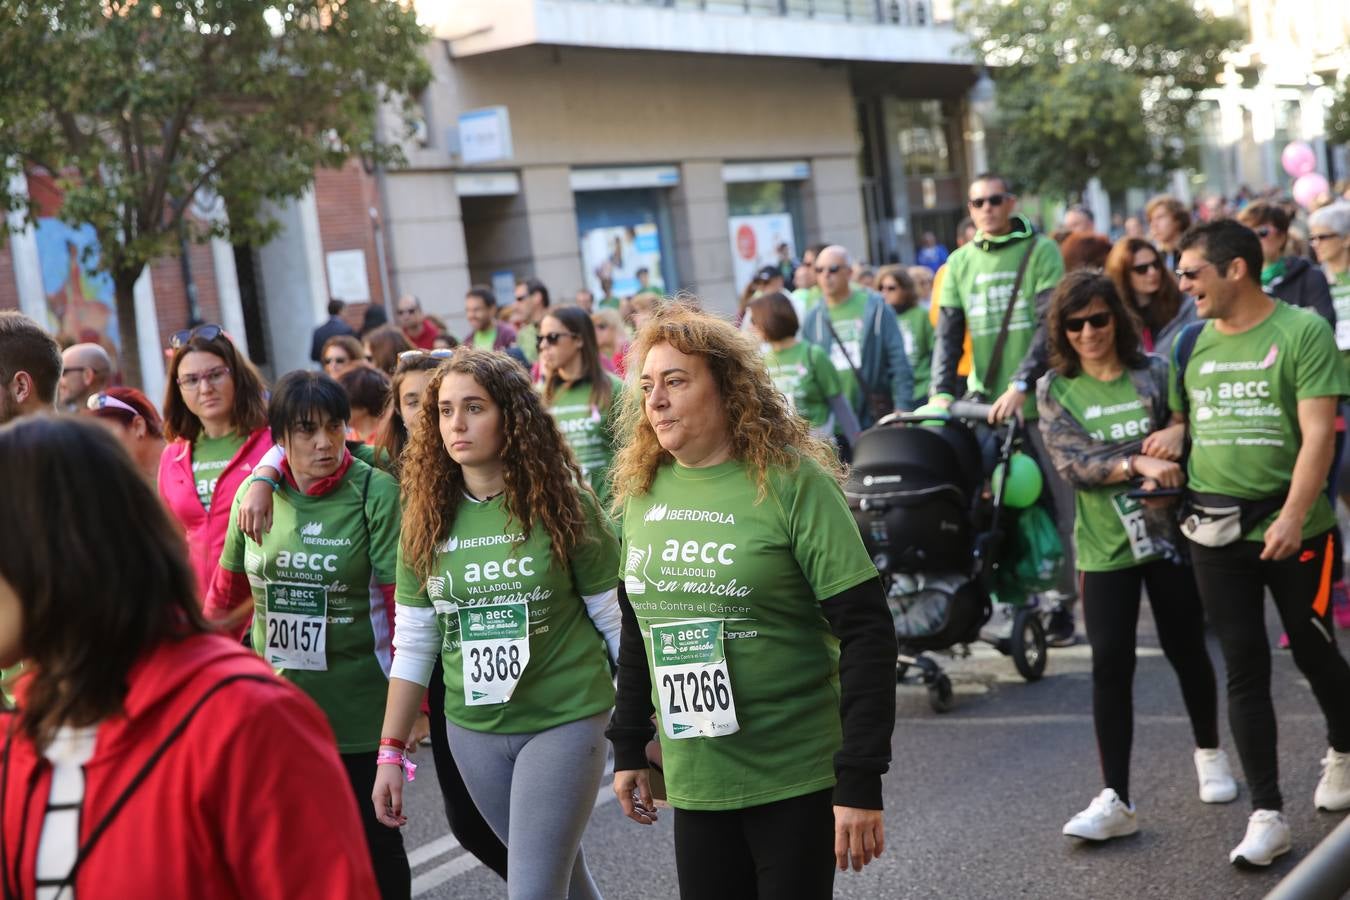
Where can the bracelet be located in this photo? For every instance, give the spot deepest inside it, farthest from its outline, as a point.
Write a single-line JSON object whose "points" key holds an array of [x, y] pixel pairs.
{"points": [[392, 758], [1127, 467], [393, 742], [276, 485]]}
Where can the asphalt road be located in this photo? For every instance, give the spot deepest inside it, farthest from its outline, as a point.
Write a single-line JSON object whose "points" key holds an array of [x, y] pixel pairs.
{"points": [[976, 798]]}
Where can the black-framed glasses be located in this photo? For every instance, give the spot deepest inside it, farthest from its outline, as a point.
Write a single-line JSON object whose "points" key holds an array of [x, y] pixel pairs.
{"points": [[552, 338], [1098, 321], [441, 353], [1142, 268], [833, 270], [1263, 231], [205, 332], [1191, 273], [1317, 238], [214, 377], [992, 200]]}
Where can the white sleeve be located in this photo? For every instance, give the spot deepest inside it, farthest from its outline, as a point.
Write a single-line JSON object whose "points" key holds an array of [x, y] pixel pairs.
{"points": [[604, 612], [271, 459], [417, 640]]}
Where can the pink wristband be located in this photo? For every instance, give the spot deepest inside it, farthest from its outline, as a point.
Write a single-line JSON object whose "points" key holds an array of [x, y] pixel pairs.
{"points": [[392, 758]]}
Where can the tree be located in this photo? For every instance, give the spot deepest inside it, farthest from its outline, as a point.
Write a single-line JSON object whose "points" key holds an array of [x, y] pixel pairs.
{"points": [[1338, 116], [1096, 88], [135, 107]]}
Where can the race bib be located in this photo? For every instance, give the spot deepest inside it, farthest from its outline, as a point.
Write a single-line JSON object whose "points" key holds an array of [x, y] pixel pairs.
{"points": [[1342, 334], [495, 647], [692, 679], [1131, 515], [844, 355], [297, 627]]}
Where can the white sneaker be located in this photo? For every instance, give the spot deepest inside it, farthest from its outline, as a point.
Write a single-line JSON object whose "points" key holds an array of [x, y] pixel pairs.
{"points": [[1333, 791], [1105, 818], [1216, 776], [1267, 837]]}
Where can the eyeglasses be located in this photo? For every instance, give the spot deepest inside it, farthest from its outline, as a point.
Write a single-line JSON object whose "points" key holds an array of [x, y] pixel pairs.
{"points": [[552, 338], [205, 332], [442, 353], [68, 369], [1263, 231], [1330, 236], [214, 377], [890, 288], [992, 200], [834, 269], [406, 312], [1098, 321], [1189, 274], [1142, 268], [105, 401], [335, 360]]}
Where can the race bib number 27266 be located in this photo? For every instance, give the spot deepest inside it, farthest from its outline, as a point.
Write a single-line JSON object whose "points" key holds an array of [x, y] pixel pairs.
{"points": [[692, 679]]}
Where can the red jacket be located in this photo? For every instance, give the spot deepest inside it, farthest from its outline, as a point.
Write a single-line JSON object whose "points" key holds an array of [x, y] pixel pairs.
{"points": [[426, 338], [249, 801], [206, 531]]}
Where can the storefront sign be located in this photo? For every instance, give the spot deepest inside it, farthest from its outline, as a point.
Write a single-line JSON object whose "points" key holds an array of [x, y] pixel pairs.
{"points": [[487, 184], [770, 170], [485, 135], [347, 279], [754, 244], [620, 177], [616, 254]]}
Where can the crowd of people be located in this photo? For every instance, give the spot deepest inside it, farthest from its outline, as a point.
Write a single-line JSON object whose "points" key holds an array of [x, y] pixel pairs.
{"points": [[622, 520]]}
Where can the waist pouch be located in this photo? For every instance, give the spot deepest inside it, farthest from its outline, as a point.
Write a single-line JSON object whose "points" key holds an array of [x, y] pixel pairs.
{"points": [[1216, 520]]}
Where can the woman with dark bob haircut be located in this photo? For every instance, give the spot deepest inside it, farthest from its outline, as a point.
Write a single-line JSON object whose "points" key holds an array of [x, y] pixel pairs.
{"points": [[215, 420], [132, 720], [321, 586], [1101, 407]]}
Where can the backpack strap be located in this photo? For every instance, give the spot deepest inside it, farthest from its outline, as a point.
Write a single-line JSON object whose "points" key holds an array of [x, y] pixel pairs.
{"points": [[1182, 348], [996, 357]]}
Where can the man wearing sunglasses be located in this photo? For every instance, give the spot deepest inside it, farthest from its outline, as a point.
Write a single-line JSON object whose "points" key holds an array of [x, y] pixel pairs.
{"points": [[86, 369], [30, 367]]}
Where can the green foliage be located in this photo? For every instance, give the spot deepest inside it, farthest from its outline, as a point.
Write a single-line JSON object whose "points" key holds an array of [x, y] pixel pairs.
{"points": [[1098, 88], [1338, 116], [135, 107]]}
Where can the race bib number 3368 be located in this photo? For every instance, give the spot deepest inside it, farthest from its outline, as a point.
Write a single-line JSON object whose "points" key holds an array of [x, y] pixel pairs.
{"points": [[692, 679], [495, 643]]}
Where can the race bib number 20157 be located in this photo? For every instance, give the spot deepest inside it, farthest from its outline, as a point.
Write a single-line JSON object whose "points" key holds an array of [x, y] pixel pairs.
{"points": [[297, 627], [692, 679]]}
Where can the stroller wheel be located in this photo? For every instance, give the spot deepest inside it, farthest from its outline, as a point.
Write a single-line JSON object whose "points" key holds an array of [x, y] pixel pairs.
{"points": [[1027, 644], [940, 696]]}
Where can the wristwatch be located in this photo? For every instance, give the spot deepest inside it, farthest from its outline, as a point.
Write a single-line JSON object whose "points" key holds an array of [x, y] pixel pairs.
{"points": [[1020, 386]]}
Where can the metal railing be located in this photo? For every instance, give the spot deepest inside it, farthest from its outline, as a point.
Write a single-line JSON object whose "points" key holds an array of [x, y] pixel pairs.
{"points": [[881, 12], [1324, 874]]}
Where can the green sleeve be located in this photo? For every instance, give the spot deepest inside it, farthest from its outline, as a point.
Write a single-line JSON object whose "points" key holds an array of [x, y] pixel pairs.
{"points": [[1046, 268], [595, 561], [1319, 371], [825, 540], [408, 588], [824, 372], [923, 333], [371, 455], [951, 283], [232, 555], [383, 515]]}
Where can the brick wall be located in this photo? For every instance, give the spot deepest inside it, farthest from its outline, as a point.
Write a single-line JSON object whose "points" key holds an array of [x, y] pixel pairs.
{"points": [[171, 308], [9, 290], [344, 198]]}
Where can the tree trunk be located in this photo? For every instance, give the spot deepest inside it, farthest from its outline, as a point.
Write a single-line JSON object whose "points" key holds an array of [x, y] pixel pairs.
{"points": [[124, 283]]}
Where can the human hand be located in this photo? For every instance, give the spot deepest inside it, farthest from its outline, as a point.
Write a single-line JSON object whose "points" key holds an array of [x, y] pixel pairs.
{"points": [[859, 836], [1149, 484], [421, 730], [387, 796], [634, 789], [255, 511], [1165, 473], [1007, 405], [1283, 537], [1166, 443]]}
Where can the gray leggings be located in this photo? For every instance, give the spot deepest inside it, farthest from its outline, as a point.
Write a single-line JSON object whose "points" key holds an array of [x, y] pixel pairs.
{"points": [[537, 792]]}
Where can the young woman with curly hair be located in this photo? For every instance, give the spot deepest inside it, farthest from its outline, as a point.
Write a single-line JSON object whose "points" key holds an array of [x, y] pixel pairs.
{"points": [[755, 612], [508, 571]]}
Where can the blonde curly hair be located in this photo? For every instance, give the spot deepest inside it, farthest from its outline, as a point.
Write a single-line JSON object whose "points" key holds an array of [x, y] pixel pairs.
{"points": [[764, 431], [543, 480]]}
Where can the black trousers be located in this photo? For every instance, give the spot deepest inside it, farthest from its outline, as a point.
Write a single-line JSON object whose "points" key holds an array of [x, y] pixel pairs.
{"points": [[1111, 613], [781, 849], [385, 844], [466, 822], [1233, 581]]}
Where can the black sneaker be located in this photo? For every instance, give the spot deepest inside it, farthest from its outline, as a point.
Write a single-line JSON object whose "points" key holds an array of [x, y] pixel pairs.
{"points": [[1059, 630]]}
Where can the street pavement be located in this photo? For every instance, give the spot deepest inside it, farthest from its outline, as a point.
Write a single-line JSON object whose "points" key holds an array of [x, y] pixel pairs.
{"points": [[976, 797]]}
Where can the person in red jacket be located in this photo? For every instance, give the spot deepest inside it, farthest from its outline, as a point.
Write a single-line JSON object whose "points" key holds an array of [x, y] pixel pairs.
{"points": [[417, 328], [146, 757], [215, 420]]}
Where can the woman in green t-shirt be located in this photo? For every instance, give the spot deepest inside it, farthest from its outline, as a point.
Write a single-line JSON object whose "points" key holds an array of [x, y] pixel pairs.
{"points": [[755, 615], [1100, 406], [802, 371], [578, 392], [507, 571]]}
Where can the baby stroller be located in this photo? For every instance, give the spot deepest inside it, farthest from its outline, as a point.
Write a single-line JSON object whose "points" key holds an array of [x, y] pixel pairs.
{"points": [[917, 492]]}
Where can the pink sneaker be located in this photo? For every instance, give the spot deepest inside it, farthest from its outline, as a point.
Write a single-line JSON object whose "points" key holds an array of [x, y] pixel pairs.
{"points": [[1340, 605]]}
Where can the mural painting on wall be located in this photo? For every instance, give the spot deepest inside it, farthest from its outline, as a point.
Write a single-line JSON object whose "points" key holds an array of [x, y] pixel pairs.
{"points": [[81, 301]]}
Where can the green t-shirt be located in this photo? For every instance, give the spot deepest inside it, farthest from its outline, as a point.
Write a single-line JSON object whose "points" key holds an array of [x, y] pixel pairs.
{"points": [[322, 564], [1243, 420], [847, 319], [210, 456], [698, 546], [588, 430], [485, 340], [806, 297], [527, 339], [482, 571], [609, 302], [1108, 530], [917, 332], [1340, 298], [980, 281], [5, 676], [805, 376]]}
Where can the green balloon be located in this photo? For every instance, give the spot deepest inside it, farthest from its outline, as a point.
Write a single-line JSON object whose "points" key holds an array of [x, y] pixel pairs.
{"points": [[1024, 484]]}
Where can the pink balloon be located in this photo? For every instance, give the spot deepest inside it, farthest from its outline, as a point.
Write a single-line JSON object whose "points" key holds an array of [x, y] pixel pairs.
{"points": [[1298, 159], [1309, 188]]}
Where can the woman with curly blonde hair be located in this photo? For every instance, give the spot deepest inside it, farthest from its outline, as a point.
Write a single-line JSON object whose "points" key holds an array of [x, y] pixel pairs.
{"points": [[755, 612], [507, 570]]}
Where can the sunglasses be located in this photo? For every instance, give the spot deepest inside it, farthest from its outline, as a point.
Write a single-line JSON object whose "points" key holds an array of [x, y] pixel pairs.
{"points": [[821, 270], [441, 353], [1264, 231], [1191, 273], [205, 332], [335, 360], [552, 338], [1098, 321], [104, 401], [992, 200], [1315, 238], [1142, 268]]}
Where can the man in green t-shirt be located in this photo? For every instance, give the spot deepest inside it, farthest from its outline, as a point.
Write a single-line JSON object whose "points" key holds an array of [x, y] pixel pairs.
{"points": [[1258, 393], [480, 309], [532, 297]]}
